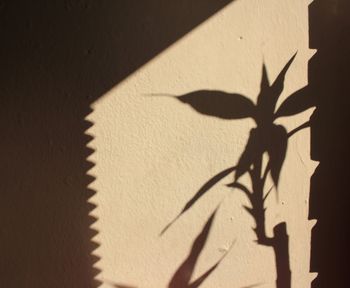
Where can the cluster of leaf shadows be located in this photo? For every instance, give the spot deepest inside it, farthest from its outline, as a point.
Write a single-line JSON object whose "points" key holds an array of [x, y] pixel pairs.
{"points": [[183, 275], [266, 137]]}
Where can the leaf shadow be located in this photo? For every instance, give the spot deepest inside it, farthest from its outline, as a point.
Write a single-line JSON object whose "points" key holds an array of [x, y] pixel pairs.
{"points": [[183, 275], [267, 137], [205, 188]]}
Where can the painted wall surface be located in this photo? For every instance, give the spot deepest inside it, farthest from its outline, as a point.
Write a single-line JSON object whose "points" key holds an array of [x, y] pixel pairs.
{"points": [[96, 160], [152, 153], [57, 57]]}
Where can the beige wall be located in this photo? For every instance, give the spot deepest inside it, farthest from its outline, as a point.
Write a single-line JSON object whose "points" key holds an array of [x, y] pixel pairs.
{"points": [[153, 153]]}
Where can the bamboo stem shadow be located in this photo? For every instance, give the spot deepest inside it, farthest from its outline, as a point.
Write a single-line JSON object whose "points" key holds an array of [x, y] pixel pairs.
{"points": [[266, 137]]}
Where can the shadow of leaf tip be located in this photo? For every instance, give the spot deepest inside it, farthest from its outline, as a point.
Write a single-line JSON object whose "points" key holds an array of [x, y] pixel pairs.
{"points": [[205, 187], [166, 228], [160, 95], [254, 285]]}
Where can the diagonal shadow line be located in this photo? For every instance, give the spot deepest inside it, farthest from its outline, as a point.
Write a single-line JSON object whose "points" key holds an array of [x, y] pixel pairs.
{"points": [[58, 57], [204, 189], [183, 275]]}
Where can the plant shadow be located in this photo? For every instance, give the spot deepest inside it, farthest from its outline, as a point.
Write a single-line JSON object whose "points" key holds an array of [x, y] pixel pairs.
{"points": [[266, 137]]}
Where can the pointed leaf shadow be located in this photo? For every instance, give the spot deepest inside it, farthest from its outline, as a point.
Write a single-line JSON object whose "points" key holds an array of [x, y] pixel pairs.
{"points": [[254, 285], [206, 187], [269, 95], [123, 286], [183, 275], [219, 104], [297, 102], [264, 83], [278, 85], [251, 150], [277, 148], [205, 275]]}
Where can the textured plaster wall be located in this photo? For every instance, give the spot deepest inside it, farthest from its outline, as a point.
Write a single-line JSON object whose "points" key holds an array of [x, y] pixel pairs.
{"points": [[57, 57], [153, 153]]}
